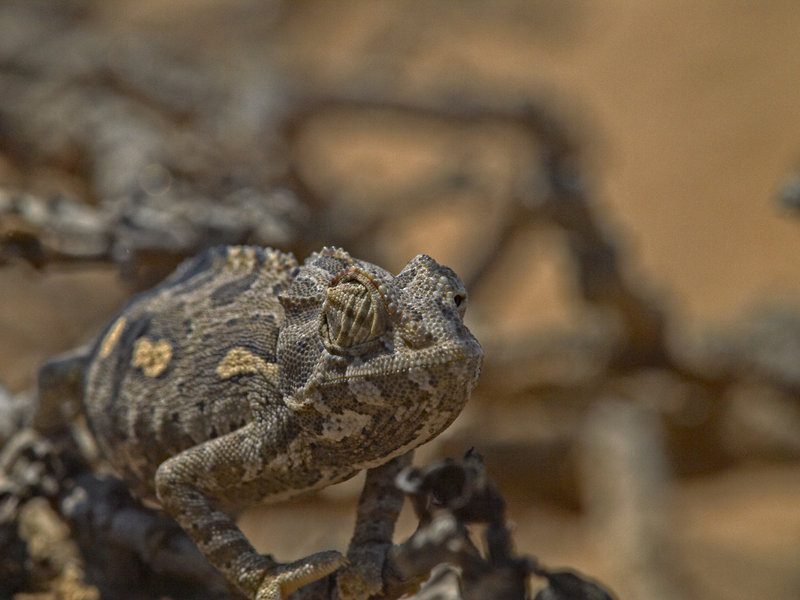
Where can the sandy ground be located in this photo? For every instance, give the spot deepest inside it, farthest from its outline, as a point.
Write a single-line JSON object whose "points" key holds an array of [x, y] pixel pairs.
{"points": [[693, 121]]}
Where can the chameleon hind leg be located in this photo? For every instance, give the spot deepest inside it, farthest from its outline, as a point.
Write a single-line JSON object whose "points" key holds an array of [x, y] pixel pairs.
{"points": [[60, 391]]}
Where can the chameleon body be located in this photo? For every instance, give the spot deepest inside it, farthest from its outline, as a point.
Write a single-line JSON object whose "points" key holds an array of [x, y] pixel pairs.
{"points": [[246, 377]]}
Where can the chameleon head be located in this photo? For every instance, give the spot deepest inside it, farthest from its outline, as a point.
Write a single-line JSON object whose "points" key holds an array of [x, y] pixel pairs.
{"points": [[374, 364]]}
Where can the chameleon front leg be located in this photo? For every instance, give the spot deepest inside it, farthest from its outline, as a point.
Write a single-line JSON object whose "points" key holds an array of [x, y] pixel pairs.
{"points": [[187, 485], [378, 509]]}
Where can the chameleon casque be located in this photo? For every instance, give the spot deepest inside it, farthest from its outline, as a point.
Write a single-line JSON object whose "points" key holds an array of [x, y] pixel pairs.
{"points": [[246, 377]]}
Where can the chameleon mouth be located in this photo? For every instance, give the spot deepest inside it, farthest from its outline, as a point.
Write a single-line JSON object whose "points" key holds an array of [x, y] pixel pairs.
{"points": [[426, 358]]}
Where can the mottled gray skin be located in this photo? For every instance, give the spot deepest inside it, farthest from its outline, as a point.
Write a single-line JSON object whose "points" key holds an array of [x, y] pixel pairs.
{"points": [[247, 378]]}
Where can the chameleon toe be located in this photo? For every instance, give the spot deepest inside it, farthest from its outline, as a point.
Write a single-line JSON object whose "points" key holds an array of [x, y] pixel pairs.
{"points": [[286, 578]]}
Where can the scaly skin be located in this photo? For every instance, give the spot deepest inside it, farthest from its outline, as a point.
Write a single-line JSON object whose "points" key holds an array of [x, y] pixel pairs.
{"points": [[246, 378]]}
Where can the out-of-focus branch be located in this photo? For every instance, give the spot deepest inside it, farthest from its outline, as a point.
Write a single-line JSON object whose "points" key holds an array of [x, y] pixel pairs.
{"points": [[448, 497], [626, 492]]}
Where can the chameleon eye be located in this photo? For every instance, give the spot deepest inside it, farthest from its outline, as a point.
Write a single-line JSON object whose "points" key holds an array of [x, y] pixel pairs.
{"points": [[460, 300], [353, 312]]}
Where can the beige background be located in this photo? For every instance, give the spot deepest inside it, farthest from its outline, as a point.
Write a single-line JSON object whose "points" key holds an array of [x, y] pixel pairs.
{"points": [[693, 122]]}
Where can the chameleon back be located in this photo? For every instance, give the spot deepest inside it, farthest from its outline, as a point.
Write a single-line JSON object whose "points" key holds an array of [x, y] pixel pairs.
{"points": [[188, 361]]}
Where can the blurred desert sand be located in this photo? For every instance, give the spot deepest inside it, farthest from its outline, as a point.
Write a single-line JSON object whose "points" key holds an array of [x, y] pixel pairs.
{"points": [[690, 111]]}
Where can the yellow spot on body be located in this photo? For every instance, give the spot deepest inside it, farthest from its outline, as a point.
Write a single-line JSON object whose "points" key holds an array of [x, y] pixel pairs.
{"points": [[153, 358], [239, 361], [241, 258], [112, 337]]}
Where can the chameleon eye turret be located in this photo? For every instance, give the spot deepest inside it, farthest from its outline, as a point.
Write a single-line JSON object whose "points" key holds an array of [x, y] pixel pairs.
{"points": [[353, 313]]}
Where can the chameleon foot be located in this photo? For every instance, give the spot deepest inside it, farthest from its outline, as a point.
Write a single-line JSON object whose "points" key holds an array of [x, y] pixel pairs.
{"points": [[283, 579], [363, 576]]}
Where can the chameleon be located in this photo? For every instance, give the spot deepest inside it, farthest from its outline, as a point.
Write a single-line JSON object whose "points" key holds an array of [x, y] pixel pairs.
{"points": [[246, 377]]}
